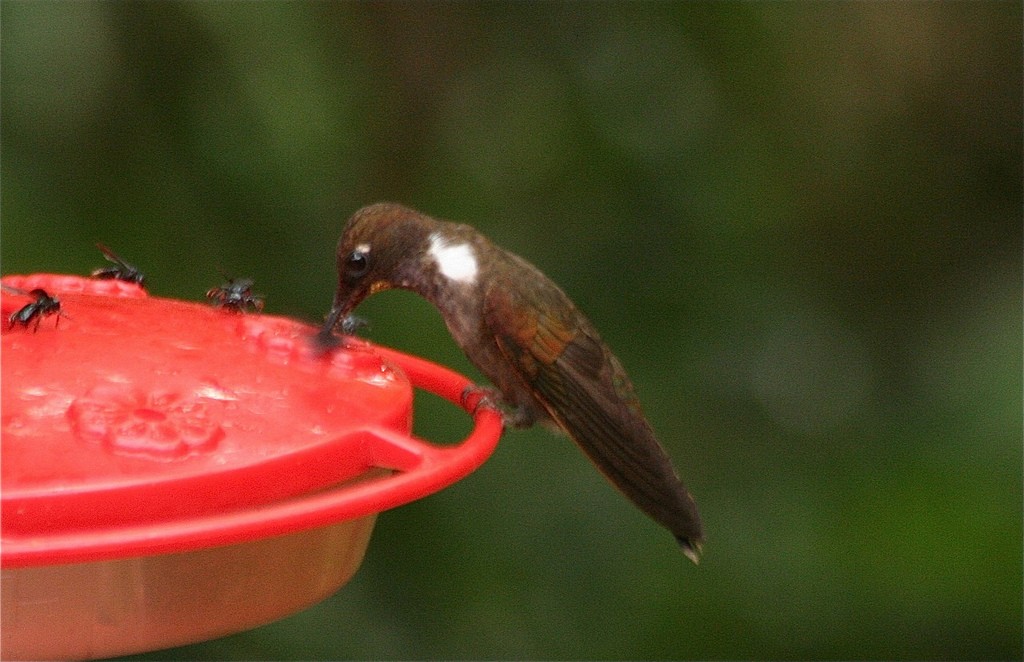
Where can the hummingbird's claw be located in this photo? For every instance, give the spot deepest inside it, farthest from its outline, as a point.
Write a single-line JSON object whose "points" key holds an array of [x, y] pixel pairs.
{"points": [[485, 397], [511, 417]]}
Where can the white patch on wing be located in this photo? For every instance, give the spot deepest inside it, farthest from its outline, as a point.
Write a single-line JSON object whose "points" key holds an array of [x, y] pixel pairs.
{"points": [[456, 262]]}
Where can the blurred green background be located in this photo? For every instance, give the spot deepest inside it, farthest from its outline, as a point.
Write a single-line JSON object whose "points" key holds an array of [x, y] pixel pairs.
{"points": [[799, 226]]}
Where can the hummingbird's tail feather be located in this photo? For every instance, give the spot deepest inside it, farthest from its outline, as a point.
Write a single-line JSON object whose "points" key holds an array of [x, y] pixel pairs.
{"points": [[557, 360], [606, 423], [692, 550]]}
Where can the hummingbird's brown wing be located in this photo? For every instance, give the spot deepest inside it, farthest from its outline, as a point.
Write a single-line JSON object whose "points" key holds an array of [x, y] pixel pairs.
{"points": [[585, 390]]}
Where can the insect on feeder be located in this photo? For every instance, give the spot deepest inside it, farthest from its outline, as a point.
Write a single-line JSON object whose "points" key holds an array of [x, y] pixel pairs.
{"points": [[173, 473]]}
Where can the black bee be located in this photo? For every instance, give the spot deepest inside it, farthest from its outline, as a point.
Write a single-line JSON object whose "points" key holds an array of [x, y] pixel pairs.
{"points": [[121, 269], [236, 295], [43, 305]]}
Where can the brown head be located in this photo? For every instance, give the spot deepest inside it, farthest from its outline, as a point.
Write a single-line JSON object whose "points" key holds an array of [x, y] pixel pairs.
{"points": [[386, 246]]}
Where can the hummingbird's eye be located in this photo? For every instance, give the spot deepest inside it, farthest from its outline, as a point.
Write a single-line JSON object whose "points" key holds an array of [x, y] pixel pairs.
{"points": [[357, 264]]}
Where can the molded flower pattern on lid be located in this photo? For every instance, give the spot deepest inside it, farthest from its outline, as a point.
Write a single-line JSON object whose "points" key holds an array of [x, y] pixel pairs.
{"points": [[159, 424]]}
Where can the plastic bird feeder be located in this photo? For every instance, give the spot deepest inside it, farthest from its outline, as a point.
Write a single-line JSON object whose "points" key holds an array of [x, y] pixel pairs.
{"points": [[173, 473]]}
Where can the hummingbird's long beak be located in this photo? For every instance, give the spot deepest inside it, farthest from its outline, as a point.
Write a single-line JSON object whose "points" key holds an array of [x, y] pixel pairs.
{"points": [[332, 319], [325, 339], [344, 303]]}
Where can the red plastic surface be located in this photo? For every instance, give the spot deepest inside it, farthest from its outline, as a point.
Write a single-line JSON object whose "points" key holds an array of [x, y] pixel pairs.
{"points": [[138, 425]]}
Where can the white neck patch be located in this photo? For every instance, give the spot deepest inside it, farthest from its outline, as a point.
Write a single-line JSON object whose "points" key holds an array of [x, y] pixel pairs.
{"points": [[456, 262]]}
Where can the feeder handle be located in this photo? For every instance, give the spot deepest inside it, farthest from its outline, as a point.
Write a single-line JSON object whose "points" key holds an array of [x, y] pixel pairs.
{"points": [[422, 468], [406, 452]]}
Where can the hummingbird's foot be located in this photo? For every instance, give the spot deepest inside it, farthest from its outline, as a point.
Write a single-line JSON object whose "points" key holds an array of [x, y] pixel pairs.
{"points": [[511, 417], [485, 397]]}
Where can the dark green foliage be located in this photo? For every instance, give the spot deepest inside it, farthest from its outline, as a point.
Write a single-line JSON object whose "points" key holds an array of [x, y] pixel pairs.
{"points": [[798, 225]]}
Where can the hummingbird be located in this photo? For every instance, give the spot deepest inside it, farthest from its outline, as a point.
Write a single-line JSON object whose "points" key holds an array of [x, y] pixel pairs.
{"points": [[545, 359]]}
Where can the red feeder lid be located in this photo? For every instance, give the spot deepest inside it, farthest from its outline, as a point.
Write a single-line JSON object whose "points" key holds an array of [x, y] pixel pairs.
{"points": [[136, 425]]}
